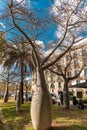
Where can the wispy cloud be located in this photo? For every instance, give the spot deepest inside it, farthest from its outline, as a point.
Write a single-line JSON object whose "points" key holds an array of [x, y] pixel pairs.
{"points": [[2, 25]]}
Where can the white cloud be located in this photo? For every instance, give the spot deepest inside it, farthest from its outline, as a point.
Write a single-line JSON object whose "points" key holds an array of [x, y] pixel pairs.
{"points": [[19, 0], [46, 53], [84, 40], [2, 25], [23, 1], [40, 43]]}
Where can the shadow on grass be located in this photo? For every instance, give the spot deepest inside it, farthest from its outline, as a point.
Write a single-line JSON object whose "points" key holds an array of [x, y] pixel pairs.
{"points": [[68, 113], [58, 128], [71, 127]]}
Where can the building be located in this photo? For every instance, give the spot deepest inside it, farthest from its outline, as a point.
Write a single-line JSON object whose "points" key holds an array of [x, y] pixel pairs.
{"points": [[55, 83]]}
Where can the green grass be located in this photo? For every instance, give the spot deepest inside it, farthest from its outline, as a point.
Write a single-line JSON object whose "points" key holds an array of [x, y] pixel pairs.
{"points": [[72, 119], [63, 119], [16, 120]]}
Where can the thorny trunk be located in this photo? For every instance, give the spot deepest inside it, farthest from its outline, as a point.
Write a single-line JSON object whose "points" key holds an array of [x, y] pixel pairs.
{"points": [[41, 103], [66, 95]]}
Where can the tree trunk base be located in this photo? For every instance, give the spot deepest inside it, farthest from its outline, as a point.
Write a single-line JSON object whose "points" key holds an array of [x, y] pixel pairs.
{"points": [[44, 129]]}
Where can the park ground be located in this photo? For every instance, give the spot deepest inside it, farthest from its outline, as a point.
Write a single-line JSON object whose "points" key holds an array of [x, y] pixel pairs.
{"points": [[62, 119]]}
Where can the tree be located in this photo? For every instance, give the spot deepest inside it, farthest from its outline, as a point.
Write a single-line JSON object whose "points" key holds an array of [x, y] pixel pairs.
{"points": [[30, 25], [18, 56], [6, 77], [3, 43], [63, 69]]}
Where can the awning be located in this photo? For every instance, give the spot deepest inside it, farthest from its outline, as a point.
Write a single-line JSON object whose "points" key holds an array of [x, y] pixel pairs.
{"points": [[80, 85]]}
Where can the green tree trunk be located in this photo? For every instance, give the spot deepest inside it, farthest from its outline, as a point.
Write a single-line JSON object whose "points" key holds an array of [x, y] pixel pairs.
{"points": [[41, 104]]}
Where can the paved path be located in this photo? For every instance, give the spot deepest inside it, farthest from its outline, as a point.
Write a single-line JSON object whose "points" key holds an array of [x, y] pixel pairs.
{"points": [[4, 125]]}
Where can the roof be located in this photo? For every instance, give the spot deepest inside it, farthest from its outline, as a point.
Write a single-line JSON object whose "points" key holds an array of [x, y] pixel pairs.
{"points": [[80, 85]]}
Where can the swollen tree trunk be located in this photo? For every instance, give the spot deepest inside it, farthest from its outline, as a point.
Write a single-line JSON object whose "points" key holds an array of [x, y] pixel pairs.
{"points": [[66, 95], [6, 92], [41, 104]]}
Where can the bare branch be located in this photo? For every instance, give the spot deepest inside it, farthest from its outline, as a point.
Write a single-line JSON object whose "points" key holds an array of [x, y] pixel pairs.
{"points": [[71, 78], [27, 37], [60, 56], [58, 44]]}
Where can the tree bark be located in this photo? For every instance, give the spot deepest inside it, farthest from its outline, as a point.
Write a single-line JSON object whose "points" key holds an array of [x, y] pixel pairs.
{"points": [[6, 93], [66, 95], [21, 83], [41, 104], [19, 100], [26, 97], [15, 92], [18, 103]]}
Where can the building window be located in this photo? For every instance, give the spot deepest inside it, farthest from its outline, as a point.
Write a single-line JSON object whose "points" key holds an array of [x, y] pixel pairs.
{"points": [[75, 54], [52, 90], [52, 77], [83, 51], [77, 81], [79, 94], [67, 58], [76, 72], [85, 61], [69, 74], [59, 85], [53, 86], [86, 92], [75, 62], [85, 72]]}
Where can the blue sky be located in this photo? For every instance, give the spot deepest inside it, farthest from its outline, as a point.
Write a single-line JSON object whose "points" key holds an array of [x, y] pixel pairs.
{"points": [[42, 7]]}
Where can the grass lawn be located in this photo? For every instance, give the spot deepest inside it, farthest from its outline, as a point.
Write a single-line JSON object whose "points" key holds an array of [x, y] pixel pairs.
{"points": [[72, 119]]}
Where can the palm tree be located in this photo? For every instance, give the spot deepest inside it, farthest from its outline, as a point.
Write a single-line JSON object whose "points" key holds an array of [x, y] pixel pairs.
{"points": [[3, 43], [19, 56]]}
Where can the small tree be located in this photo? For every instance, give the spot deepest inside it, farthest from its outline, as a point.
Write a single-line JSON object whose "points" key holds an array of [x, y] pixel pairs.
{"points": [[63, 70]]}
